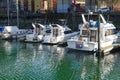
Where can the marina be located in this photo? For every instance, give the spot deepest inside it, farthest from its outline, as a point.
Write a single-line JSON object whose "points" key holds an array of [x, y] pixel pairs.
{"points": [[27, 61], [59, 40], [89, 36], [36, 60]]}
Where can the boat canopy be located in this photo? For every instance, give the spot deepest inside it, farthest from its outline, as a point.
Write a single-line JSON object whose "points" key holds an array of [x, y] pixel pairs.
{"points": [[41, 25], [1, 28], [12, 29], [56, 25]]}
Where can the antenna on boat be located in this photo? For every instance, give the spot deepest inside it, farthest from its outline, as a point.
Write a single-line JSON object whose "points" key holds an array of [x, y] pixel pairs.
{"points": [[8, 12], [17, 13]]}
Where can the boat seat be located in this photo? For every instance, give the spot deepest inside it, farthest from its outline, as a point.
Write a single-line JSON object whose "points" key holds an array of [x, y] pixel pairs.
{"points": [[93, 23]]}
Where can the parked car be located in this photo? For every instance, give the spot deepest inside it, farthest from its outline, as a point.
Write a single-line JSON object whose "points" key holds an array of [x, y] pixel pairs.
{"points": [[107, 9]]}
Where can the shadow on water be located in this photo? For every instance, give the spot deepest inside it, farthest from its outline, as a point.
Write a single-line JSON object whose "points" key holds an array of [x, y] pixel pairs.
{"points": [[26, 61]]}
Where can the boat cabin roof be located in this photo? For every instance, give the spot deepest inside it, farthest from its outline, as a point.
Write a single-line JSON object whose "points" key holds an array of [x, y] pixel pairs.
{"points": [[11, 29], [108, 26], [37, 25], [60, 27], [92, 23]]}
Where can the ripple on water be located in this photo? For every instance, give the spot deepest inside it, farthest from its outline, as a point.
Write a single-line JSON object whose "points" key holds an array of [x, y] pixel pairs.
{"points": [[50, 63]]}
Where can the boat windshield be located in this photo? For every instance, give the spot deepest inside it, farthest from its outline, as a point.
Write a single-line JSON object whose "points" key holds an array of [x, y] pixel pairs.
{"points": [[110, 32], [85, 32], [48, 31], [67, 32], [54, 25]]}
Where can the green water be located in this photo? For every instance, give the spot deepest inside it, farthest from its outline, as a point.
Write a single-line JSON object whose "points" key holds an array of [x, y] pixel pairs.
{"points": [[25, 61]]}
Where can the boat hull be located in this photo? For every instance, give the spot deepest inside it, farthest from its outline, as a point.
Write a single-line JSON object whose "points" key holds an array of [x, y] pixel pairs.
{"points": [[90, 46], [33, 38], [78, 45], [48, 39]]}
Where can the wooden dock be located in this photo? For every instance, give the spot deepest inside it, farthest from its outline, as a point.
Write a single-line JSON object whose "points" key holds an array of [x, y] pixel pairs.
{"points": [[111, 49]]}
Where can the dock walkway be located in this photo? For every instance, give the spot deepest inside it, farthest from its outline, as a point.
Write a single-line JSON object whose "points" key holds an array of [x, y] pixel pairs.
{"points": [[111, 49]]}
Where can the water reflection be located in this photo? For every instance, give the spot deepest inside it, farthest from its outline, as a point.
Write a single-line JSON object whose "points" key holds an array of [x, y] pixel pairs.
{"points": [[43, 60], [105, 65], [26, 61], [9, 47], [91, 67], [40, 50]]}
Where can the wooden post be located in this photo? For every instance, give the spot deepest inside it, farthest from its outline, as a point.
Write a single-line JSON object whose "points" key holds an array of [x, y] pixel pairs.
{"points": [[99, 44]]}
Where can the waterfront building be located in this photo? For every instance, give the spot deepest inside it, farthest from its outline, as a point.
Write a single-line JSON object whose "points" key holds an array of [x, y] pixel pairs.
{"points": [[90, 5], [80, 5], [23, 5], [59, 6], [62, 5], [3, 6], [93, 5], [116, 7], [38, 6]]}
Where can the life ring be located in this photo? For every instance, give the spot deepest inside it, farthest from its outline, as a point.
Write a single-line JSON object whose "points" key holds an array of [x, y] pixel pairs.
{"points": [[87, 25]]}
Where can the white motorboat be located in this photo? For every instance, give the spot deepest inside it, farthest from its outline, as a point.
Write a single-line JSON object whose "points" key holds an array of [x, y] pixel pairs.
{"points": [[12, 32], [88, 38], [59, 34], [38, 33]]}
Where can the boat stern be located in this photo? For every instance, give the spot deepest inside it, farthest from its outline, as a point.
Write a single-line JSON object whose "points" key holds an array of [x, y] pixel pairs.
{"points": [[81, 45]]}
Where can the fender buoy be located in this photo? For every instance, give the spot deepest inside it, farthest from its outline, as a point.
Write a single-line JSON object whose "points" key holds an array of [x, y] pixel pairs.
{"points": [[87, 25]]}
